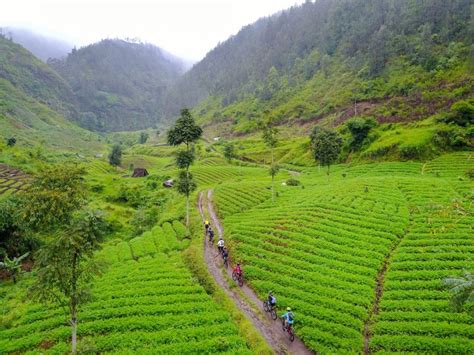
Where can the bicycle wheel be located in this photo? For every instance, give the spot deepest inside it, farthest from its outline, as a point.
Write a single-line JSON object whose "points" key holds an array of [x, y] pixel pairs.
{"points": [[292, 335], [273, 313], [265, 306], [241, 281], [283, 324]]}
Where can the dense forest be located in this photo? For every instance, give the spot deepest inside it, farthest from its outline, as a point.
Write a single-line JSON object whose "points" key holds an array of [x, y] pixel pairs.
{"points": [[351, 49], [119, 85]]}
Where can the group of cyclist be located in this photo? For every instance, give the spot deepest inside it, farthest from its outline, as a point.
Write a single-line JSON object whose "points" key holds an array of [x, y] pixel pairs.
{"points": [[288, 317]]}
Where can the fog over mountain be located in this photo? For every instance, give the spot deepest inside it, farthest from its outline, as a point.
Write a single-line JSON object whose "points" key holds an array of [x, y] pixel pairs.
{"points": [[41, 46]]}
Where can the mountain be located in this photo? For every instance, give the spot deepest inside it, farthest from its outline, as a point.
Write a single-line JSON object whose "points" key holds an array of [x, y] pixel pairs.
{"points": [[329, 60], [35, 101], [119, 85], [43, 47]]}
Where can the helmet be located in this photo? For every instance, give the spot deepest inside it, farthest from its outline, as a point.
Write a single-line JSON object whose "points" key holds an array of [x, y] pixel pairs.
{"points": [[270, 293], [238, 264], [288, 309], [207, 222]]}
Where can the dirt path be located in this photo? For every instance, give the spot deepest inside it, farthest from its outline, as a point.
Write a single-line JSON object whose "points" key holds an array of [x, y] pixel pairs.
{"points": [[379, 287], [271, 330]]}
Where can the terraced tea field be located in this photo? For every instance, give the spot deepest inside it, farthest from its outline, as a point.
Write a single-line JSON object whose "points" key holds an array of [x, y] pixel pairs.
{"points": [[360, 257], [12, 180], [147, 302], [323, 247]]}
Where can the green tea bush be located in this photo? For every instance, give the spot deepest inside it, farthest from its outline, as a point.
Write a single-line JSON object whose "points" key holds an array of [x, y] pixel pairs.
{"points": [[293, 182]]}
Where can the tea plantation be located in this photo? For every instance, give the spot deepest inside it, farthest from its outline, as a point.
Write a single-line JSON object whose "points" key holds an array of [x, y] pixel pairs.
{"points": [[321, 248], [359, 256]]}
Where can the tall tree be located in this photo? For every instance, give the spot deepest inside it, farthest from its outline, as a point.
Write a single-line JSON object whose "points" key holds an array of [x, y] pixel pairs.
{"points": [[185, 131], [143, 137], [66, 267], [326, 145], [270, 137], [115, 156], [229, 151], [56, 192]]}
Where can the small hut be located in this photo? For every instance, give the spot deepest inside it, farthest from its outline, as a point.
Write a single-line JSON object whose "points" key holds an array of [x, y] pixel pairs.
{"points": [[140, 172]]}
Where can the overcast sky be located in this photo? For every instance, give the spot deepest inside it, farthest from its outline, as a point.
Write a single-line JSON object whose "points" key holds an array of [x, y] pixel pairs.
{"points": [[186, 28]]}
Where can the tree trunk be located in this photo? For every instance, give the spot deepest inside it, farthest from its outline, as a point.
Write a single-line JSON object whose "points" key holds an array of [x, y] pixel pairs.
{"points": [[273, 181], [74, 332], [187, 212], [73, 303]]}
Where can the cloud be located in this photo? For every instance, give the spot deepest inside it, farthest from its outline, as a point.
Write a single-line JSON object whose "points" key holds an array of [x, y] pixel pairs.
{"points": [[188, 29]]}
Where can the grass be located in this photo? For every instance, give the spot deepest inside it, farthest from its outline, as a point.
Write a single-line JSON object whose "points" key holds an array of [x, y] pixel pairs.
{"points": [[319, 247]]}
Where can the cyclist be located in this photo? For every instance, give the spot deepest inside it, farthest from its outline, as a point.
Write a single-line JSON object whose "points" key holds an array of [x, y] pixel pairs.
{"points": [[289, 317], [225, 255], [238, 270], [271, 300], [220, 245], [211, 234]]}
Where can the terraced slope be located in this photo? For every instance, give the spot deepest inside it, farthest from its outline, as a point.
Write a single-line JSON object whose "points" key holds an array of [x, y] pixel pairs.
{"points": [[415, 314], [320, 250], [12, 180], [147, 302], [323, 247]]}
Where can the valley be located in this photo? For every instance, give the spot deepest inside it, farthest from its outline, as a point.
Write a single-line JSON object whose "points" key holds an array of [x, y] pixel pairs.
{"points": [[329, 145]]}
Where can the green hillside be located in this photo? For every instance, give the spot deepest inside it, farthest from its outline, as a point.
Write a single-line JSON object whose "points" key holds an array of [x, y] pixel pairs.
{"points": [[326, 61], [119, 85], [36, 79]]}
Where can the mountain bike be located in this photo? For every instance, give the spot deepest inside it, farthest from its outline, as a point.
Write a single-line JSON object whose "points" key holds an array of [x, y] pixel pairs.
{"points": [[238, 277], [288, 328], [269, 308]]}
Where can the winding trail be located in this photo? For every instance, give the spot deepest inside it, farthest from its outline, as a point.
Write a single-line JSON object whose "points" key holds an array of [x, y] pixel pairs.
{"points": [[271, 330]]}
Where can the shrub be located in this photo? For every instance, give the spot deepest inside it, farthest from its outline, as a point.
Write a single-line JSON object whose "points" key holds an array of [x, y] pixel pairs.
{"points": [[11, 141], [293, 182], [360, 128], [462, 114]]}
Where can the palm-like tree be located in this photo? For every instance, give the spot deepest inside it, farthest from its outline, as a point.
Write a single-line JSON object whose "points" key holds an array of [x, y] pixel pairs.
{"points": [[461, 288], [13, 266]]}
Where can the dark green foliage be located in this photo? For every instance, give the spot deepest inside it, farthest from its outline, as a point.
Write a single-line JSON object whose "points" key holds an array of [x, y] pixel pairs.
{"points": [[360, 128], [54, 195], [184, 159], [229, 151], [462, 113], [14, 238], [185, 183], [119, 85], [326, 145], [143, 138], [13, 266], [11, 141], [185, 130], [453, 138], [293, 182], [66, 267], [115, 156]]}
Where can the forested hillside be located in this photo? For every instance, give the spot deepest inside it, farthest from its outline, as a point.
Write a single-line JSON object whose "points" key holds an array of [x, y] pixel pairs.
{"points": [[396, 60], [119, 85]]}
